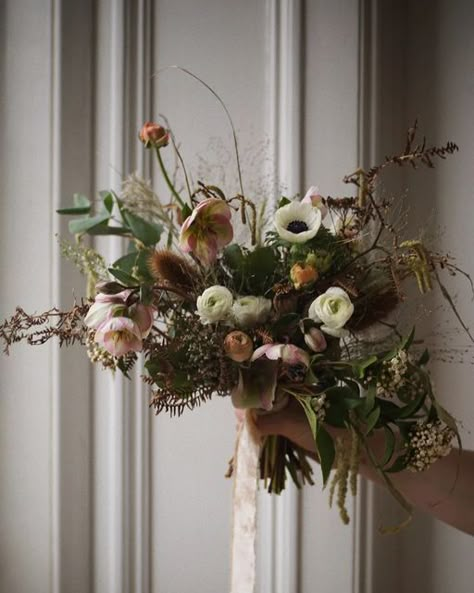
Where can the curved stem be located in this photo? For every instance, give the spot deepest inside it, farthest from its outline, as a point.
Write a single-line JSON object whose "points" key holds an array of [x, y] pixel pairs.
{"points": [[168, 180], [223, 105]]}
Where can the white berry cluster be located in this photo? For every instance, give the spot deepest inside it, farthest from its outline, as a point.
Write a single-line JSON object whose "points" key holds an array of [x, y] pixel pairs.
{"points": [[428, 442], [319, 405]]}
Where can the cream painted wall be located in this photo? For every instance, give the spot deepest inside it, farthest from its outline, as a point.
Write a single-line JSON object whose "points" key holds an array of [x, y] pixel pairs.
{"points": [[95, 493]]}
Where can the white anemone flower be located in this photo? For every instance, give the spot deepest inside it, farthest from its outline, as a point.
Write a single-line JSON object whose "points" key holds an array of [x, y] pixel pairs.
{"points": [[297, 222]]}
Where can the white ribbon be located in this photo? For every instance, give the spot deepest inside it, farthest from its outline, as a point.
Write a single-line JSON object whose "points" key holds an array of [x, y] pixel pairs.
{"points": [[244, 530]]}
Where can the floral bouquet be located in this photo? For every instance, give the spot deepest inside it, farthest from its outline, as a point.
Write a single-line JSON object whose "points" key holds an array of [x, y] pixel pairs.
{"points": [[285, 315]]}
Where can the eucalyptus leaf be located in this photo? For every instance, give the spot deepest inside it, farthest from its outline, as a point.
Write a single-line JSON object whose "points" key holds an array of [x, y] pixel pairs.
{"points": [[84, 225], [82, 205], [123, 277], [149, 233], [108, 200]]}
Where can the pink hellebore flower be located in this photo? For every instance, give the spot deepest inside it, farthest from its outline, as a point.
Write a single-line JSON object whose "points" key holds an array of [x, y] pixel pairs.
{"points": [[207, 230], [119, 328], [119, 335], [288, 353], [313, 197], [105, 307]]}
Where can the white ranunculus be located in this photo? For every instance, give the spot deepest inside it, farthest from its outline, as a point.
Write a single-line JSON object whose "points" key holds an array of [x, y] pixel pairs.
{"points": [[333, 309], [215, 304], [250, 310], [297, 222]]}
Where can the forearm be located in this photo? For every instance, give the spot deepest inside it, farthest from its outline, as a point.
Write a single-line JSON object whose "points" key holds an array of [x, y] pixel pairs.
{"points": [[445, 490]]}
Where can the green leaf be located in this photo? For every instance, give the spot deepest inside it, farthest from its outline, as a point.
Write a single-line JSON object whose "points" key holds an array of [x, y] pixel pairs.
{"points": [[326, 451], [123, 277], [260, 267], [148, 233], [389, 445], [398, 465], [408, 341], [82, 205], [369, 399], [372, 420], [413, 407], [424, 358], [146, 294], [108, 200], [283, 201], [305, 403], [360, 366], [186, 212], [126, 263], [104, 229], [84, 225]]}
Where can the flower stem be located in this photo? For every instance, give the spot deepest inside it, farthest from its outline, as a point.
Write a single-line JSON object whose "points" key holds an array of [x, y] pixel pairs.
{"points": [[168, 180]]}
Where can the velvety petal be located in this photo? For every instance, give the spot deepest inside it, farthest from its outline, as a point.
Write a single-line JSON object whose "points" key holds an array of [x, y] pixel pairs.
{"points": [[120, 343], [100, 313], [143, 316], [223, 230], [206, 251], [217, 207]]}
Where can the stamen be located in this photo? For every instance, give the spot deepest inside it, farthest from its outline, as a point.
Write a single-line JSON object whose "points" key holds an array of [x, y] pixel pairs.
{"points": [[297, 226]]}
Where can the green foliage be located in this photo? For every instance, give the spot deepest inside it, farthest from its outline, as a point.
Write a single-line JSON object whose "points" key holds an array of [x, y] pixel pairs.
{"points": [[81, 205], [250, 272], [133, 225]]}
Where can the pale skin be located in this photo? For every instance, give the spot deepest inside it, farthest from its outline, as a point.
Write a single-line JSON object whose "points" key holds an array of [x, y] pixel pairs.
{"points": [[445, 490]]}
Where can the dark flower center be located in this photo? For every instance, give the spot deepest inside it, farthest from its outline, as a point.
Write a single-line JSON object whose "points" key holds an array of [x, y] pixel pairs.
{"points": [[297, 226]]}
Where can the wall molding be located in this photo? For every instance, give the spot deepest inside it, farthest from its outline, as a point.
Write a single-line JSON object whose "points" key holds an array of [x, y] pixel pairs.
{"points": [[278, 562]]}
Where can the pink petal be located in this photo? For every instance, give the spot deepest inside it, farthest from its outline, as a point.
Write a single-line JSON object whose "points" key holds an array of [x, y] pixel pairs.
{"points": [[206, 250], [259, 352], [143, 316]]}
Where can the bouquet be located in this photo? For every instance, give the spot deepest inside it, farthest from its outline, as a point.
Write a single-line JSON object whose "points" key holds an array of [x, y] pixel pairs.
{"points": [[286, 314]]}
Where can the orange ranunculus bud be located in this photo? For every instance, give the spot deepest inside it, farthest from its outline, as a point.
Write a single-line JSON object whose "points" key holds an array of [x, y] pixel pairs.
{"points": [[153, 135], [238, 346], [302, 274]]}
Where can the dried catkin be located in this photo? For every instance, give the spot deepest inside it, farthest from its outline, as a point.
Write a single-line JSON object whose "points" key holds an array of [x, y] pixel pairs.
{"points": [[340, 480], [354, 461]]}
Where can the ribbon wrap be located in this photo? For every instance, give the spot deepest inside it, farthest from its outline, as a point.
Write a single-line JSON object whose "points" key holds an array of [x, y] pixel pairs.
{"points": [[244, 529]]}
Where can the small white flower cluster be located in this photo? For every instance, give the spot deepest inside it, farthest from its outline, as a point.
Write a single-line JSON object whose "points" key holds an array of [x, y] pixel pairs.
{"points": [[428, 442], [319, 405], [394, 376]]}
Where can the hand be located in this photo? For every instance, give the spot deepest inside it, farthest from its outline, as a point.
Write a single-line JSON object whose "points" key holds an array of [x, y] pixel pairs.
{"points": [[445, 490]]}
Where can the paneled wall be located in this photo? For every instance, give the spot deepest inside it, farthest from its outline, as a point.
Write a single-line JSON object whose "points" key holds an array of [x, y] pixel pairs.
{"points": [[96, 494]]}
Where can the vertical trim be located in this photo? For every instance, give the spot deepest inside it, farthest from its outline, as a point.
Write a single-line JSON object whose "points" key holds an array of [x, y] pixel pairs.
{"points": [[55, 116], [280, 515], [119, 450], [141, 414], [363, 541]]}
